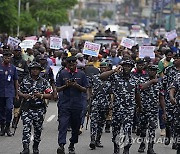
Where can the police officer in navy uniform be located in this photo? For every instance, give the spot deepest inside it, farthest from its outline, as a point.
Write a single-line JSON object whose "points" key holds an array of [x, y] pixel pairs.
{"points": [[8, 90], [22, 70], [33, 89], [72, 82]]}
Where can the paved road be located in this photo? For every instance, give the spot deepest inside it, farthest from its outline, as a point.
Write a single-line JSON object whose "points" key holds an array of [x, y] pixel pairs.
{"points": [[12, 145]]}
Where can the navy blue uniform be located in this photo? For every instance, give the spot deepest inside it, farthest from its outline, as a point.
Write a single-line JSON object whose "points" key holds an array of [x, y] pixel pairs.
{"points": [[71, 104], [8, 75]]}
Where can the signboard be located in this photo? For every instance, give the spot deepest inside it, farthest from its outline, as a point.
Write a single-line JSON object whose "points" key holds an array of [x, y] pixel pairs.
{"points": [[146, 51], [66, 32], [55, 43], [31, 38], [136, 28], [91, 49], [128, 43], [13, 42], [171, 35], [27, 44]]}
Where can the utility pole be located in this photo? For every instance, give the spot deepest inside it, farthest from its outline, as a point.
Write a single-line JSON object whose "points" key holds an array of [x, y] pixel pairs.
{"points": [[171, 16], [19, 12], [160, 17]]}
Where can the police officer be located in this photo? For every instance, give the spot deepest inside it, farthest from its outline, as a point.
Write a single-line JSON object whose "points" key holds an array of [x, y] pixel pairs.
{"points": [[72, 82], [175, 100], [124, 87], [99, 106], [152, 94], [33, 89], [169, 76], [8, 90], [22, 70]]}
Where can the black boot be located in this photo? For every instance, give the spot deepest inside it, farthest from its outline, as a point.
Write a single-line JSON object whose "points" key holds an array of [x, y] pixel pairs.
{"points": [[168, 136], [174, 146], [35, 148], [7, 130], [92, 144], [116, 148], [142, 147], [60, 150], [178, 151], [2, 132], [71, 148], [126, 149], [25, 149], [150, 149], [98, 142], [107, 127]]}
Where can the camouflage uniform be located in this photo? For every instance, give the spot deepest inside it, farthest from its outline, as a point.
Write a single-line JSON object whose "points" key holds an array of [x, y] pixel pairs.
{"points": [[33, 109], [99, 107], [124, 90], [176, 112], [169, 76]]}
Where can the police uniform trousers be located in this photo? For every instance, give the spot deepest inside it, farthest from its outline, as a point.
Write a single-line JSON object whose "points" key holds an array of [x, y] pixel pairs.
{"points": [[6, 107], [98, 119], [33, 117], [69, 117], [122, 117], [148, 121]]}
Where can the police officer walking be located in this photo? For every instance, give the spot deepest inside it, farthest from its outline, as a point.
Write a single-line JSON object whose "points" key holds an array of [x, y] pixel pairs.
{"points": [[72, 82], [8, 90], [33, 89]]}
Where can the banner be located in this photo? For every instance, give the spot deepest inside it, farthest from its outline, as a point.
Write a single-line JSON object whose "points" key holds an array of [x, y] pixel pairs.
{"points": [[27, 44], [128, 43], [55, 43], [145, 51], [91, 49], [171, 35], [66, 32], [13, 42]]}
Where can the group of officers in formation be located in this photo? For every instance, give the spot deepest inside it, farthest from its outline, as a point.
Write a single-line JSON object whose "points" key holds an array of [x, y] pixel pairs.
{"points": [[133, 91]]}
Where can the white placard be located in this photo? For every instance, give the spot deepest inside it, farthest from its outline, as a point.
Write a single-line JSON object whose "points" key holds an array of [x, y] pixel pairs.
{"points": [[128, 43], [66, 32], [146, 51], [27, 44], [55, 43], [171, 35], [31, 38], [91, 49], [55, 70], [13, 42]]}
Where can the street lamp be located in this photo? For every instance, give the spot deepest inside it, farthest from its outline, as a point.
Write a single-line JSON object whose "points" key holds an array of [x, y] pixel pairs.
{"points": [[19, 12]]}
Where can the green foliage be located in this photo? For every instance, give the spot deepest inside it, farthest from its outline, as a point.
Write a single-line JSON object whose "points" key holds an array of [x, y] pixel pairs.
{"points": [[107, 14], [8, 16]]}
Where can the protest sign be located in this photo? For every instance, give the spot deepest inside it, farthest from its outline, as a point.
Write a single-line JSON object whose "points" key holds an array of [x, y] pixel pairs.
{"points": [[55, 43], [128, 43], [171, 35], [13, 42], [91, 49], [146, 51]]}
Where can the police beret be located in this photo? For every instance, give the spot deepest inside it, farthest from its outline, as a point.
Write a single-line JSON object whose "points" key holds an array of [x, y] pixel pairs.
{"points": [[35, 65], [140, 61], [71, 59], [130, 62]]}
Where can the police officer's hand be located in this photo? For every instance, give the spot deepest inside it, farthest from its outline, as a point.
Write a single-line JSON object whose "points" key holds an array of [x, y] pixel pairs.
{"points": [[164, 116], [27, 96], [55, 96], [118, 69], [67, 83], [173, 100]]}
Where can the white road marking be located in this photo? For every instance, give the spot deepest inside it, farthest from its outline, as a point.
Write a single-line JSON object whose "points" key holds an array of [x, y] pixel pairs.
{"points": [[51, 118]]}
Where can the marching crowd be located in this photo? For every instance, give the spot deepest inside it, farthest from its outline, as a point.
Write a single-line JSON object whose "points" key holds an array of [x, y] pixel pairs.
{"points": [[116, 89]]}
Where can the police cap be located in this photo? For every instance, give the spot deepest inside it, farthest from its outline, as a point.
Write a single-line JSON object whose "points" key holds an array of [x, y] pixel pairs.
{"points": [[129, 62], [35, 65]]}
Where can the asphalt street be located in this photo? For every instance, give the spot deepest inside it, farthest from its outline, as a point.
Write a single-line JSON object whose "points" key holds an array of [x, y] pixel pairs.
{"points": [[48, 145]]}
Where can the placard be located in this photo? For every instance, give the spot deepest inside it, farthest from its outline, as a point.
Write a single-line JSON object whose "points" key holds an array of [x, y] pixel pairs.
{"points": [[145, 51], [91, 49], [171, 35], [27, 44], [13, 42], [55, 43], [128, 43]]}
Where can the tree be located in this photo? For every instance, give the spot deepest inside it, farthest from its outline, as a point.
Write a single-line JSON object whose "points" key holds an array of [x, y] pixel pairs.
{"points": [[8, 16]]}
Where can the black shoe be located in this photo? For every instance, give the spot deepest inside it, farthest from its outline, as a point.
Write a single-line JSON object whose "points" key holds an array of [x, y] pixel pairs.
{"points": [[142, 147], [99, 145], [2, 132], [71, 150], [126, 149], [134, 130], [174, 146], [116, 148], [25, 151], [178, 151], [167, 141], [60, 150], [35, 148], [150, 149], [92, 145], [8, 131]]}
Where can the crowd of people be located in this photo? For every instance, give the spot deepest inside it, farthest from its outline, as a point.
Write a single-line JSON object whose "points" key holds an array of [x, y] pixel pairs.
{"points": [[116, 89]]}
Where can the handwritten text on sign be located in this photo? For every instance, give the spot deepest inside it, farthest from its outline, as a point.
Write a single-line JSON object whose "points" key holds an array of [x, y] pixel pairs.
{"points": [[55, 43], [128, 43], [146, 51]]}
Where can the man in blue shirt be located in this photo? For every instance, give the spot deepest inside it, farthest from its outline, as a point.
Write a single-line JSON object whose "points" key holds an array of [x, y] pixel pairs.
{"points": [[8, 90], [72, 83]]}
